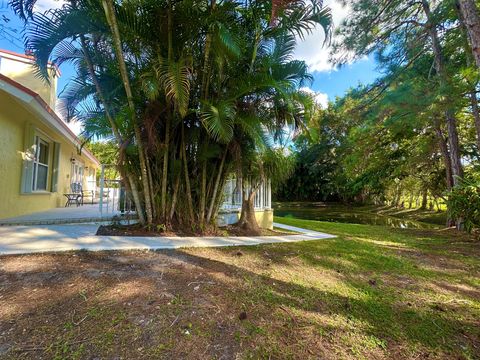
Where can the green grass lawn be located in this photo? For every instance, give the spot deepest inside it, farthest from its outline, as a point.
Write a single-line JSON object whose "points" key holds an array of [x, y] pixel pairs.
{"points": [[371, 293], [385, 291]]}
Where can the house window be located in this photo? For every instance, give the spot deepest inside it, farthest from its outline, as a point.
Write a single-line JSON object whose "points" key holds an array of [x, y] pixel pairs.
{"points": [[41, 165]]}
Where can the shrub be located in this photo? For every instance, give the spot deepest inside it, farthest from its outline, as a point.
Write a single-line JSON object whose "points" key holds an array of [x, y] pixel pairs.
{"points": [[464, 203]]}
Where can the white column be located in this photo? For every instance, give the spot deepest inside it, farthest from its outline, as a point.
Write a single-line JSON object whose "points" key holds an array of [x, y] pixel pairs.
{"points": [[269, 194], [265, 195], [260, 195], [102, 180]]}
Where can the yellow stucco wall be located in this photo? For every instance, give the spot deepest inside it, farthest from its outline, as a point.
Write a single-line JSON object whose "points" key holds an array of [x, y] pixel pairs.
{"points": [[265, 219], [24, 73], [14, 118]]}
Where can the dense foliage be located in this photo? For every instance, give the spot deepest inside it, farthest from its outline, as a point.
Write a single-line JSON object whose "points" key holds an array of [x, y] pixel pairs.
{"points": [[107, 153], [412, 135], [464, 203], [190, 91], [315, 174]]}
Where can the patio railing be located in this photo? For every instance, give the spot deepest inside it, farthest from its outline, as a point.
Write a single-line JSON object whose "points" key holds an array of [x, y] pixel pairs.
{"points": [[232, 195], [112, 195]]}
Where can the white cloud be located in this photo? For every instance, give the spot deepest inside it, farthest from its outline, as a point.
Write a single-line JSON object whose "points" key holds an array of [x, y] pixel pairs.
{"points": [[75, 126], [44, 5], [312, 50], [320, 98]]}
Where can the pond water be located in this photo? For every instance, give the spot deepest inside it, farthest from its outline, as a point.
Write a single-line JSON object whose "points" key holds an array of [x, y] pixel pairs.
{"points": [[343, 214]]}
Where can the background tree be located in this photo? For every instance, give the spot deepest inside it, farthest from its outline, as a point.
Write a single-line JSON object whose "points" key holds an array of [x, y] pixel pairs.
{"points": [[412, 133], [107, 153], [469, 12]]}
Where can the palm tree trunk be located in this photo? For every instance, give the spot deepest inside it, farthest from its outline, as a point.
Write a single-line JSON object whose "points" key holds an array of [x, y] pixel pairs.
{"points": [[187, 179], [215, 188], [206, 60], [151, 187], [471, 18], [108, 114], [204, 95], [163, 198], [211, 179], [248, 221], [218, 200], [136, 198], [203, 195], [112, 20], [174, 198]]}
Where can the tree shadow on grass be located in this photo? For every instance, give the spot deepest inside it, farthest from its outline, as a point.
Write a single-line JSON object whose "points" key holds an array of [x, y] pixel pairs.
{"points": [[404, 321], [150, 301]]}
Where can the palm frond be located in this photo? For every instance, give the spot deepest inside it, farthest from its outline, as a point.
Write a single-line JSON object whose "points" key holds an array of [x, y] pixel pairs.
{"points": [[23, 8], [227, 40], [150, 85], [175, 77], [46, 31], [283, 48], [252, 126], [66, 52], [301, 18], [294, 72], [76, 91], [218, 120]]}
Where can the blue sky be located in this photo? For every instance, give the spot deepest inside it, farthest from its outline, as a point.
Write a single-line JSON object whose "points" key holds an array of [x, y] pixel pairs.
{"points": [[336, 82], [12, 39], [329, 82]]}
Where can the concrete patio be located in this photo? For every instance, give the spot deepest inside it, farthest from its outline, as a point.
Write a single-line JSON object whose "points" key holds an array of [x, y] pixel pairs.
{"points": [[53, 238], [66, 215]]}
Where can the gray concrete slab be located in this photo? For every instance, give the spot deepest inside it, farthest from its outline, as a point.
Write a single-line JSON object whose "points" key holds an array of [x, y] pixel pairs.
{"points": [[62, 215], [53, 238]]}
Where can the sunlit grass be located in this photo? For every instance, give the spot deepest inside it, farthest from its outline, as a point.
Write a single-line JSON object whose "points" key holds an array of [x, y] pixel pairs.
{"points": [[371, 292]]}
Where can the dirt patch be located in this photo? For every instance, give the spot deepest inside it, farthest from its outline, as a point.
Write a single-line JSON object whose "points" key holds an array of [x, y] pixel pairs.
{"points": [[109, 305], [139, 230]]}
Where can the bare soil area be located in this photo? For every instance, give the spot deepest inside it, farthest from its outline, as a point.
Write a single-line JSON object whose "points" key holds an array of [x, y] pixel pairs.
{"points": [[139, 230], [371, 293]]}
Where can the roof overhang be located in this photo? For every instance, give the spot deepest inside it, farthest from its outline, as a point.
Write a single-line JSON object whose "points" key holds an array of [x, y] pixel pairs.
{"points": [[39, 107], [27, 59]]}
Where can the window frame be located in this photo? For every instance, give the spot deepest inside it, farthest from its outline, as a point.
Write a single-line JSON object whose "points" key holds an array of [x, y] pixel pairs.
{"points": [[36, 163]]}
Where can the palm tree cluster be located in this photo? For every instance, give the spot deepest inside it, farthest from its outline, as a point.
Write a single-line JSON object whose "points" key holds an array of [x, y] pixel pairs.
{"points": [[190, 90]]}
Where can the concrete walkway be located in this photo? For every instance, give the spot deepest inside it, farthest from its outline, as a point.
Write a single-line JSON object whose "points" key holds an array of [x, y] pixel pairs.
{"points": [[69, 215], [52, 238]]}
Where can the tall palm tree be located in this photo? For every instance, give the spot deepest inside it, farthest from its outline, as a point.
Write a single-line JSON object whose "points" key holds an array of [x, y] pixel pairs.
{"points": [[111, 16], [199, 85]]}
